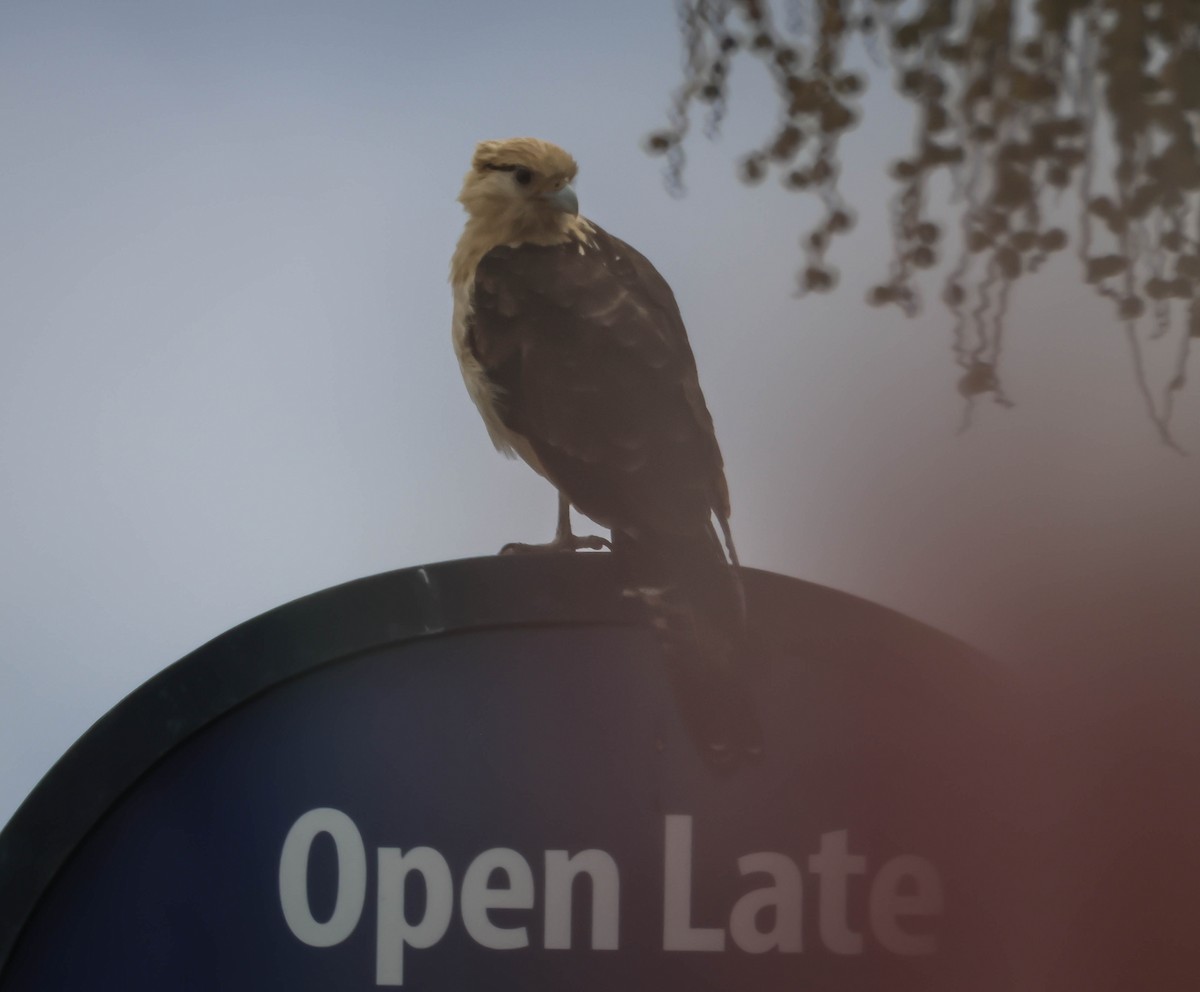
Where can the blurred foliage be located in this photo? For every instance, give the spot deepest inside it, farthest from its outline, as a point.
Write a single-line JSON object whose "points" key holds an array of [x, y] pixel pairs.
{"points": [[1018, 104]]}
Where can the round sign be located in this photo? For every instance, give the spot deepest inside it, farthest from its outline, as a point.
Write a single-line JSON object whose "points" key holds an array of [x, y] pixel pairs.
{"points": [[475, 775]]}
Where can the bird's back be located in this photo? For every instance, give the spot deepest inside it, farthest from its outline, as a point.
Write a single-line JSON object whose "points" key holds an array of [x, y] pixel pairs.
{"points": [[592, 364]]}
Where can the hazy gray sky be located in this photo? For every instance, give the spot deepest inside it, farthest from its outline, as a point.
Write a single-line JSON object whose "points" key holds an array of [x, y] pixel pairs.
{"points": [[226, 377]]}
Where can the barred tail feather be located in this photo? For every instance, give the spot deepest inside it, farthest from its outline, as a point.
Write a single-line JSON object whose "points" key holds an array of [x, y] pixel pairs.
{"points": [[695, 602]]}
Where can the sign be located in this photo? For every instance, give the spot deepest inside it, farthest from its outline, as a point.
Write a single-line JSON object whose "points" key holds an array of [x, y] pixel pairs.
{"points": [[475, 776]]}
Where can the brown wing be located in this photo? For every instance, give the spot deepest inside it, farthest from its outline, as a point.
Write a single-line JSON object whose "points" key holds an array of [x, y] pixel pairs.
{"points": [[595, 370]]}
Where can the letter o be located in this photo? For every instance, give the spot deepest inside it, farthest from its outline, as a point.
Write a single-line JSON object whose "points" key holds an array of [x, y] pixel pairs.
{"points": [[351, 883]]}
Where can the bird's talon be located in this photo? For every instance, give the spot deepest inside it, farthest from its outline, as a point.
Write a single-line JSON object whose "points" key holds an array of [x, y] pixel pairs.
{"points": [[587, 542]]}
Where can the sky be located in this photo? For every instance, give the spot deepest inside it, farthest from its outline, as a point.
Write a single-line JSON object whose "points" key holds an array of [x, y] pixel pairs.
{"points": [[226, 378]]}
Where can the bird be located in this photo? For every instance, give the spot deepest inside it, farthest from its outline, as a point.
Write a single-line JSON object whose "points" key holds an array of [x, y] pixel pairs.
{"points": [[572, 347]]}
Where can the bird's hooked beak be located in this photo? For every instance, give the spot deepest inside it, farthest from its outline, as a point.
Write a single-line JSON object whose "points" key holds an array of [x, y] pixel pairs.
{"points": [[563, 199]]}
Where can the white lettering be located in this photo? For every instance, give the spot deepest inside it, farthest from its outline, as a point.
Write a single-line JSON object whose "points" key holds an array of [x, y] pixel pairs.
{"points": [[351, 877], [561, 872], [478, 897], [903, 897], [678, 932], [393, 930], [833, 863], [783, 897], [887, 903]]}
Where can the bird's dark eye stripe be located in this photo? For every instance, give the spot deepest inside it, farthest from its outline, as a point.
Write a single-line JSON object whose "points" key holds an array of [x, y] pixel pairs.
{"points": [[523, 174]]}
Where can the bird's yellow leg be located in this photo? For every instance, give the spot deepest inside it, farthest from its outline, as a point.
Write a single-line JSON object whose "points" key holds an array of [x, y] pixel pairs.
{"points": [[564, 539]]}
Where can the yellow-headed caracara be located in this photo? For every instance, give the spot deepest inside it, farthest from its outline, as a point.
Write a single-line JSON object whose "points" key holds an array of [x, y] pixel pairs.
{"points": [[572, 346]]}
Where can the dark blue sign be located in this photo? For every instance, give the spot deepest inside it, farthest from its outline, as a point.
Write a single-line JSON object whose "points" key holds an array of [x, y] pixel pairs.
{"points": [[490, 805]]}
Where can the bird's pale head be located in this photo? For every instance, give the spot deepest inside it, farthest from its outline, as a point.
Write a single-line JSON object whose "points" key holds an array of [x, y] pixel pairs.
{"points": [[521, 188]]}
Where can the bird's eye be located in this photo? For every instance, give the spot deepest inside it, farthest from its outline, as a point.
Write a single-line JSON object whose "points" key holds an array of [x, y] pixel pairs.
{"points": [[523, 176]]}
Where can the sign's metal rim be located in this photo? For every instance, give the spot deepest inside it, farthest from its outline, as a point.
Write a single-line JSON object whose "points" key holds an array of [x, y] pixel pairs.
{"points": [[329, 626]]}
